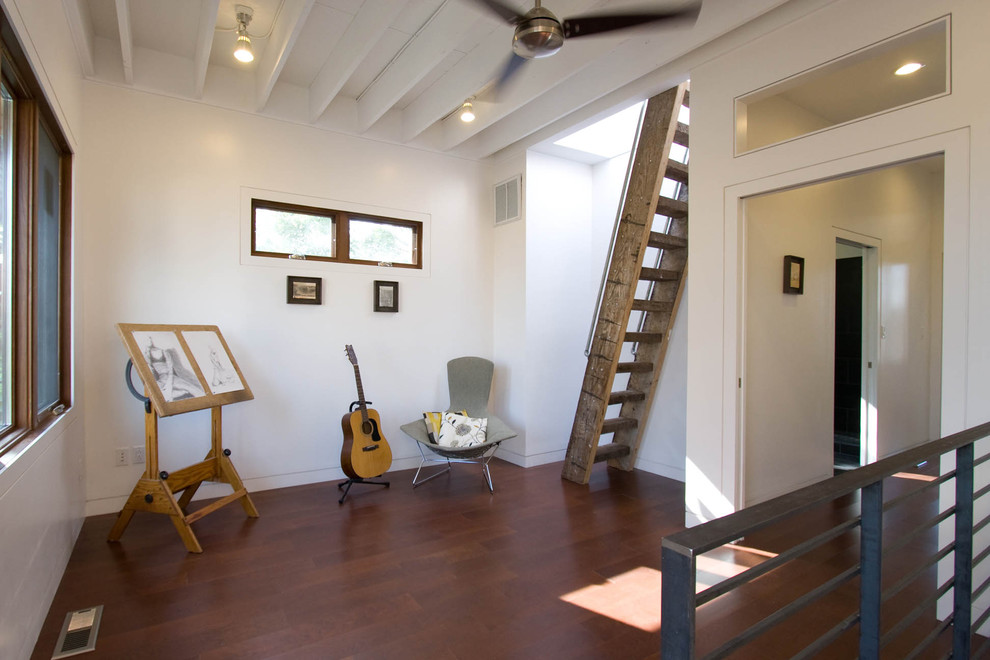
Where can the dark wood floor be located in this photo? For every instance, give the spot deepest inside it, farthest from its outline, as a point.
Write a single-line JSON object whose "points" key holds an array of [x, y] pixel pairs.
{"points": [[544, 568]]}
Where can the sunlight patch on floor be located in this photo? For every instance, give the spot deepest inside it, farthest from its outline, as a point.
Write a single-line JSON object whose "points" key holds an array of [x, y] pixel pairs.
{"points": [[912, 475], [730, 561], [632, 598]]}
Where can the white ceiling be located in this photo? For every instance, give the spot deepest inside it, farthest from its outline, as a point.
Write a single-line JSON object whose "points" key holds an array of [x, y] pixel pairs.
{"points": [[392, 70]]}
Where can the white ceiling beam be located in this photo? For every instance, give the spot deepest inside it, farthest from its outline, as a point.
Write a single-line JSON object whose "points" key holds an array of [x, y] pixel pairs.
{"points": [[479, 67], [358, 40], [82, 34], [204, 43], [423, 52], [285, 32], [126, 40]]}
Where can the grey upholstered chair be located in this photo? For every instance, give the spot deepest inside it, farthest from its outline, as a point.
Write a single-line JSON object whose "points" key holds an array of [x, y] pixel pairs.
{"points": [[469, 380]]}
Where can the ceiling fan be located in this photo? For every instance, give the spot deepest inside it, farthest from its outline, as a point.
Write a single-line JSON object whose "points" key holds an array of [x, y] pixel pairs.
{"points": [[541, 34]]}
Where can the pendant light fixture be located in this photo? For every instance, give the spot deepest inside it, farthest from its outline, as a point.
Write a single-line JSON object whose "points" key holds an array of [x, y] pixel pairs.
{"points": [[242, 50]]}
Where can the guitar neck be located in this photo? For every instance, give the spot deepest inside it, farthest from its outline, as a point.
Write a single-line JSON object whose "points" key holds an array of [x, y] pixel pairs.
{"points": [[360, 389]]}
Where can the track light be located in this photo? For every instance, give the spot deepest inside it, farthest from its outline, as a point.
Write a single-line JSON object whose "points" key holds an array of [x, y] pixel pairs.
{"points": [[467, 112], [242, 50]]}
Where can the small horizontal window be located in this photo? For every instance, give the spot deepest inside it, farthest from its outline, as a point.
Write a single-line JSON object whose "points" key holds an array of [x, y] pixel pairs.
{"points": [[290, 231]]}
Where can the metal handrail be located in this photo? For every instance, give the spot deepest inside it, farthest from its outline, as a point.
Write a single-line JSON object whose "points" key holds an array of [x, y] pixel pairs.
{"points": [[680, 551], [615, 231]]}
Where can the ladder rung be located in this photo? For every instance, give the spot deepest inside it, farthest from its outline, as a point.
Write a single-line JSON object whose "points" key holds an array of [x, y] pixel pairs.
{"points": [[659, 274], [676, 171], [672, 208], [644, 337], [618, 424], [652, 305], [622, 396], [681, 134], [633, 367], [666, 241], [610, 450]]}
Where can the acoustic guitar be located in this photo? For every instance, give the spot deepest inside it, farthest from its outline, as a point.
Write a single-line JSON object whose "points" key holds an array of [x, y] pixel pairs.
{"points": [[365, 452]]}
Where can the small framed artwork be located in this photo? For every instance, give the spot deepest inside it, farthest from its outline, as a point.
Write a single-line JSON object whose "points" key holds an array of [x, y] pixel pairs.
{"points": [[793, 274], [386, 296], [304, 290]]}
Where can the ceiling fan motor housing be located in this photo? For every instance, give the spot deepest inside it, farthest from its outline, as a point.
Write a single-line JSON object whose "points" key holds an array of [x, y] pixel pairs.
{"points": [[538, 34]]}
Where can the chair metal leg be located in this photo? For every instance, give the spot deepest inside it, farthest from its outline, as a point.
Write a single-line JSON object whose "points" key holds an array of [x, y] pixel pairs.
{"points": [[417, 481]]}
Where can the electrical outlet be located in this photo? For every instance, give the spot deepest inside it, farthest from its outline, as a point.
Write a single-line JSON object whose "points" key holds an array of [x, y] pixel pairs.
{"points": [[137, 455], [120, 456]]}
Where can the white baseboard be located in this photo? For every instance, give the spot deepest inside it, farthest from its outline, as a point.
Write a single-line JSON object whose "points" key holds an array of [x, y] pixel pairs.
{"points": [[210, 490], [661, 469], [531, 460]]}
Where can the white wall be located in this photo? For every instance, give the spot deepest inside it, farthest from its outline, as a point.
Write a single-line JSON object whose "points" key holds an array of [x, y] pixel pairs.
{"points": [[41, 482], [956, 124], [160, 217], [789, 352], [558, 250]]}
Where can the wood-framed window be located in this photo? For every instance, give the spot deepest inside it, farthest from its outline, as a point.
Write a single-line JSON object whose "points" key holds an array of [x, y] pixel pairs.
{"points": [[293, 231], [35, 185]]}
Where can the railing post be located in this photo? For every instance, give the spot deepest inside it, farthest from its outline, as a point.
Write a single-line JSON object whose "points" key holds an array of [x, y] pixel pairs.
{"points": [[870, 569], [677, 592], [962, 586]]}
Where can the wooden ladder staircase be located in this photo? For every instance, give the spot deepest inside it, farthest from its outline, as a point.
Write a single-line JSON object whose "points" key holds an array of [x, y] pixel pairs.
{"points": [[654, 289]]}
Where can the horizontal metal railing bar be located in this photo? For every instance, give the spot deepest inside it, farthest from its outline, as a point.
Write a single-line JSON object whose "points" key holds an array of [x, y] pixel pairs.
{"points": [[890, 592], [934, 483], [979, 592], [929, 639], [829, 637], [980, 557], [909, 618], [798, 603], [980, 620], [920, 529], [980, 525], [750, 574], [696, 540], [981, 492], [981, 460]]}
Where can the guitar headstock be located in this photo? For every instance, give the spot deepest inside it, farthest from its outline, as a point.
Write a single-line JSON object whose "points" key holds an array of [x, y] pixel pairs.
{"points": [[350, 354]]}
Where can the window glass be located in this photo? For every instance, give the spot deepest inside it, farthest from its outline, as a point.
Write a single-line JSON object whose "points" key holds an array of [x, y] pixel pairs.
{"points": [[294, 232], [373, 240], [285, 230], [6, 253], [48, 237]]}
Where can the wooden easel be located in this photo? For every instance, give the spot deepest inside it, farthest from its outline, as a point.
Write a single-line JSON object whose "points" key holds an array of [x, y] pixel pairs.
{"points": [[156, 490]]}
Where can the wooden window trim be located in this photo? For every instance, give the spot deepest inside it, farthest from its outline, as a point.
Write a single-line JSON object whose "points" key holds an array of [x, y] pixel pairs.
{"points": [[342, 221], [33, 114]]}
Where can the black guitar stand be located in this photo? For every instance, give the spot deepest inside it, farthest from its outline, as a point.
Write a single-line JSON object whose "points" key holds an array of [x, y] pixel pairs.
{"points": [[357, 480]]}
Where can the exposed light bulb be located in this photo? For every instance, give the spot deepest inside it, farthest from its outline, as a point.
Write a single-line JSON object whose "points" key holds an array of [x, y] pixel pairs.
{"points": [[467, 112], [909, 68], [242, 51]]}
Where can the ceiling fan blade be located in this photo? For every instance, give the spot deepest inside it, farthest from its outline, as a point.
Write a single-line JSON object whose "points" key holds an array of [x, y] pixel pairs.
{"points": [[500, 9], [582, 26], [509, 71]]}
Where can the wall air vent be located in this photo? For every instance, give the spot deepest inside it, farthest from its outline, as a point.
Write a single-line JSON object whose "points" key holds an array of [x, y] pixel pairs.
{"points": [[78, 632], [508, 200]]}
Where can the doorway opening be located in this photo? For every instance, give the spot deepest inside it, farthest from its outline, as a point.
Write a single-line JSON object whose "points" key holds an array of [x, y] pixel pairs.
{"points": [[853, 403]]}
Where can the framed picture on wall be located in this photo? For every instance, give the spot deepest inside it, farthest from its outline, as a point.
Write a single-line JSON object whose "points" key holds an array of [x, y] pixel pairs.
{"points": [[386, 296], [304, 290], [793, 274]]}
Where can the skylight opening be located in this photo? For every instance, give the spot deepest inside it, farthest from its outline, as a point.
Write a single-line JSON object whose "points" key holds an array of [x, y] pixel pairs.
{"points": [[607, 138]]}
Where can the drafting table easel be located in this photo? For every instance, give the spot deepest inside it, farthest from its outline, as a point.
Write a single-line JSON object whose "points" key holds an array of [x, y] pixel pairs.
{"points": [[183, 368]]}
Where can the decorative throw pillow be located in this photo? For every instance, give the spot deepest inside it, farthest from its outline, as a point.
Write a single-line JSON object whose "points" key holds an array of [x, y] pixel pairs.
{"points": [[461, 430], [433, 421]]}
